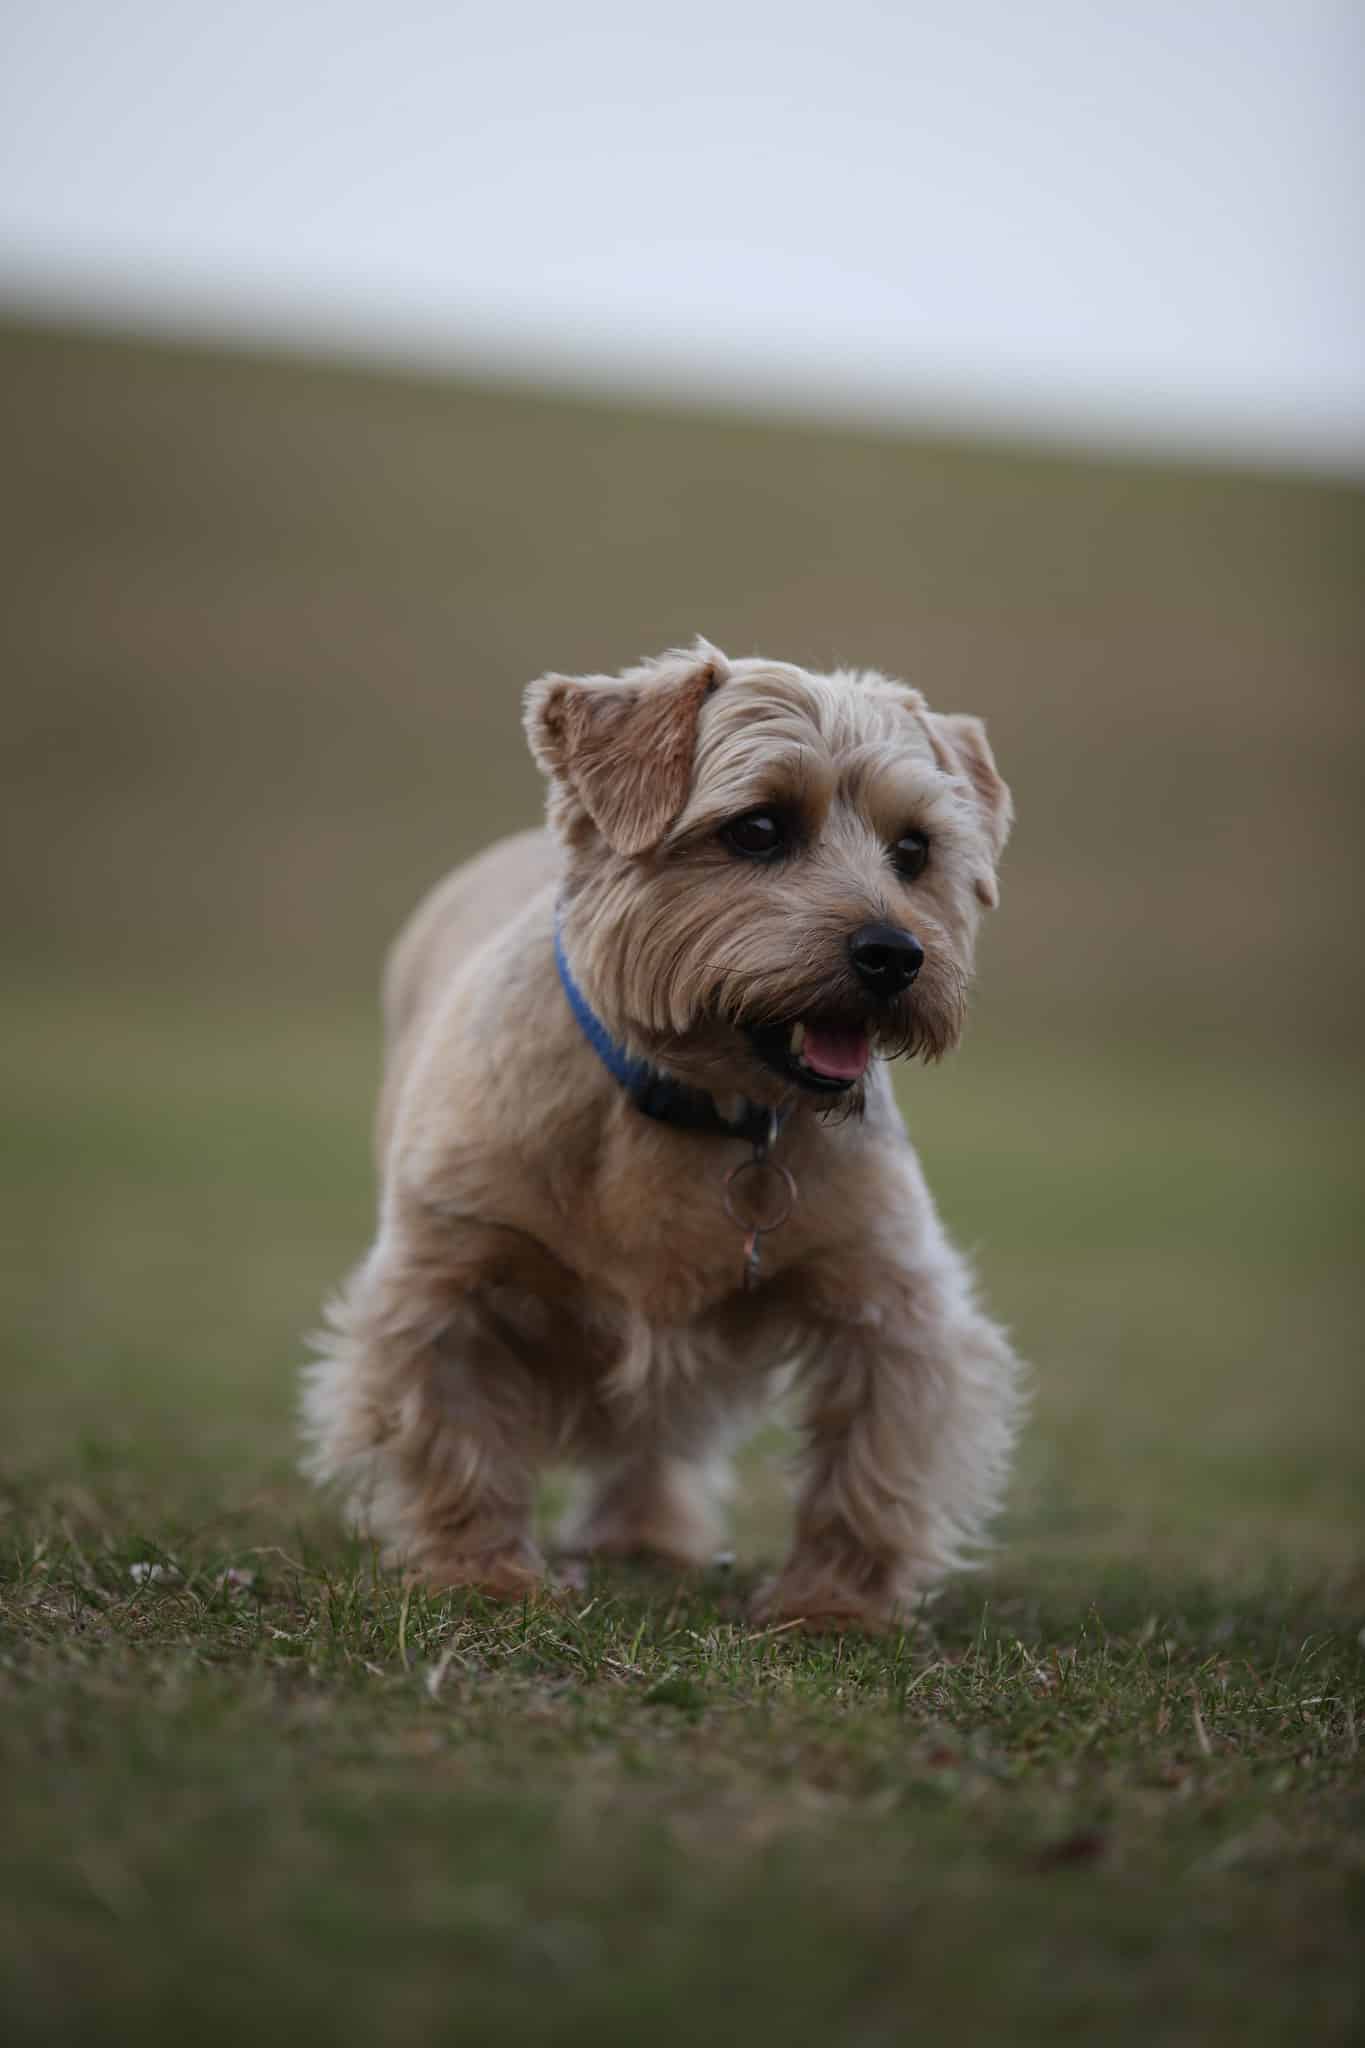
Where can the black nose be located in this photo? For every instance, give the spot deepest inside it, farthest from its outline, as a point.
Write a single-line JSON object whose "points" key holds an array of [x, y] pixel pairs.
{"points": [[886, 958]]}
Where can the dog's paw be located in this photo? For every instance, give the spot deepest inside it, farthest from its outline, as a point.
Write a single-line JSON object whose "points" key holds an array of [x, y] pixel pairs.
{"points": [[819, 1605], [518, 1573]]}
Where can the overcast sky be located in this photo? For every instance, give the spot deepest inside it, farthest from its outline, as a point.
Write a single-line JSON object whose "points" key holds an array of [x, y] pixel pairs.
{"points": [[1139, 218]]}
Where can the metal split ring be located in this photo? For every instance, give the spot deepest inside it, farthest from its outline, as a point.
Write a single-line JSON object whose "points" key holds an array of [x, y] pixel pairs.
{"points": [[786, 1194]]}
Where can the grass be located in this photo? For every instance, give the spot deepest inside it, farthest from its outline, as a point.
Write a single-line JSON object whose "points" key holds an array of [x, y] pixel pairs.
{"points": [[267, 626], [324, 1808], [1110, 1787]]}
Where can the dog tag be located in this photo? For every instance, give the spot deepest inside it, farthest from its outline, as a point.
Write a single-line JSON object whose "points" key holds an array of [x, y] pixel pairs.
{"points": [[768, 1193], [751, 1261]]}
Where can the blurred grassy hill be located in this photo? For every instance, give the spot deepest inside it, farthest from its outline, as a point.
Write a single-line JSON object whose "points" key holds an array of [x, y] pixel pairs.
{"points": [[267, 622]]}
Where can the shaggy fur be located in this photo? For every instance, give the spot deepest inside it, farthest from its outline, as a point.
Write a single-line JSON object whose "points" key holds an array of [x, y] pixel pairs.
{"points": [[554, 1275]]}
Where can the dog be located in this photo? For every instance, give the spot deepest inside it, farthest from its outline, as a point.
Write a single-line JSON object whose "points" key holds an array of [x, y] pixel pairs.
{"points": [[641, 1164]]}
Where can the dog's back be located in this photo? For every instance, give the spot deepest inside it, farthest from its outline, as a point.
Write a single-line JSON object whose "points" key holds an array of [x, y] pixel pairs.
{"points": [[451, 922]]}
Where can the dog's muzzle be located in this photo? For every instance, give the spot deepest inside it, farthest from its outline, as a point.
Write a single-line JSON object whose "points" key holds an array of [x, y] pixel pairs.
{"points": [[828, 1053]]}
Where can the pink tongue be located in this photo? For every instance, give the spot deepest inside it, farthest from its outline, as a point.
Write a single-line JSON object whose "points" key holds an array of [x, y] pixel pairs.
{"points": [[840, 1055]]}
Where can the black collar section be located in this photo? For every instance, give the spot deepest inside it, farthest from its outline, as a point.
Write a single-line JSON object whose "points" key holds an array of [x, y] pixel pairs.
{"points": [[691, 1109]]}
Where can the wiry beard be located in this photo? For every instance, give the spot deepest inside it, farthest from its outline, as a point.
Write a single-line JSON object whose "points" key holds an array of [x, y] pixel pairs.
{"points": [[716, 1051]]}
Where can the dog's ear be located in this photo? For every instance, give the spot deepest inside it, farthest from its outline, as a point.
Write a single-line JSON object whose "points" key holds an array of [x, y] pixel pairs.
{"points": [[961, 747], [624, 745]]}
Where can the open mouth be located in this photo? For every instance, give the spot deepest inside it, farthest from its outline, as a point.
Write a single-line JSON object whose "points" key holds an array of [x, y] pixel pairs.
{"points": [[819, 1053]]}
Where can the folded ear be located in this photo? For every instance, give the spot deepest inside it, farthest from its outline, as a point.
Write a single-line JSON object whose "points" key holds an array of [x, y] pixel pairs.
{"points": [[623, 746], [961, 747]]}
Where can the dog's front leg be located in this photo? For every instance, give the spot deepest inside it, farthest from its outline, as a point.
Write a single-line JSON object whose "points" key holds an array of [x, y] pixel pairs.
{"points": [[426, 1407], [910, 1411]]}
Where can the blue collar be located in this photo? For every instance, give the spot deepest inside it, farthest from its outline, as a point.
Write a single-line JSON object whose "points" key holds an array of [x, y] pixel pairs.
{"points": [[653, 1093]]}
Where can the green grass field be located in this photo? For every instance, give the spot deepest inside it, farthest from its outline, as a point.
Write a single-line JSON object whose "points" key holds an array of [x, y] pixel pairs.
{"points": [[267, 628]]}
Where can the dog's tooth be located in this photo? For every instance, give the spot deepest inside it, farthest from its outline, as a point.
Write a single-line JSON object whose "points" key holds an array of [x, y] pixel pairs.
{"points": [[798, 1037]]}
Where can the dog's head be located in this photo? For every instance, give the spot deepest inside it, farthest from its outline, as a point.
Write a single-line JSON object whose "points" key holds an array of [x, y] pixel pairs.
{"points": [[770, 876]]}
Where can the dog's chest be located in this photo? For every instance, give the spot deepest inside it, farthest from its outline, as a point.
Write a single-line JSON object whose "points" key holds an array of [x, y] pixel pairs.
{"points": [[668, 1253], [668, 1246]]}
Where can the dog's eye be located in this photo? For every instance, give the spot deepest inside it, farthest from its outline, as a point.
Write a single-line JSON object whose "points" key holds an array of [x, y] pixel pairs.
{"points": [[910, 855], [758, 835]]}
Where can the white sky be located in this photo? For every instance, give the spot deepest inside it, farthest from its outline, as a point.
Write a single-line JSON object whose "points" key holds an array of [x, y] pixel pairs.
{"points": [[1138, 220]]}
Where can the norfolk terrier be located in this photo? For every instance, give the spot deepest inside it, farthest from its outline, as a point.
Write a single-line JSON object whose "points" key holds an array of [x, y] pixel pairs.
{"points": [[641, 1163]]}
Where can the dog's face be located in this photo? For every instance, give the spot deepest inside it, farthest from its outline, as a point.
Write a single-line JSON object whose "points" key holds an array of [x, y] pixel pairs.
{"points": [[771, 876]]}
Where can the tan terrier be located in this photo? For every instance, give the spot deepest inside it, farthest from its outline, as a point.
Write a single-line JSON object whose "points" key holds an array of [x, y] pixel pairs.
{"points": [[641, 1160]]}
